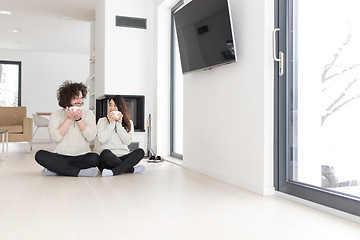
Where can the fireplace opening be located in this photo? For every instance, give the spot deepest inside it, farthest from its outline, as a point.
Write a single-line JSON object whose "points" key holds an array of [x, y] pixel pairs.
{"points": [[135, 106]]}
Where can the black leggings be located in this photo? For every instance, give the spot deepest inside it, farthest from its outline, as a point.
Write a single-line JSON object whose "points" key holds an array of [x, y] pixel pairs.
{"points": [[66, 165], [119, 165]]}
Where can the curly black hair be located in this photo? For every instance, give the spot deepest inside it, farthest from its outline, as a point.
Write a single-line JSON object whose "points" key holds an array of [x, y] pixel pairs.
{"points": [[69, 90]]}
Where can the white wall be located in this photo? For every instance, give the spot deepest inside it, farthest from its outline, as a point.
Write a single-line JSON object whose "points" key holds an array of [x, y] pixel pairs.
{"points": [[228, 111], [127, 64], [42, 74]]}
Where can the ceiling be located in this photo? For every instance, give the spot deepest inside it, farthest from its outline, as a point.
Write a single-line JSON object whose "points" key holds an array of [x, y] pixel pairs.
{"points": [[47, 25]]}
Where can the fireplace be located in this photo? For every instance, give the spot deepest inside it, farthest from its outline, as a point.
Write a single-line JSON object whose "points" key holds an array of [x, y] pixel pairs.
{"points": [[135, 106]]}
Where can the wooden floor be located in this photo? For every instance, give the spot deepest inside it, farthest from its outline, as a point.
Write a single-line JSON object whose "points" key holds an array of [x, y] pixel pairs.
{"points": [[165, 202]]}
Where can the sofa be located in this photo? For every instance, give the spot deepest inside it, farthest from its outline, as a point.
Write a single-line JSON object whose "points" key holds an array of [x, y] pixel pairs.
{"points": [[19, 127]]}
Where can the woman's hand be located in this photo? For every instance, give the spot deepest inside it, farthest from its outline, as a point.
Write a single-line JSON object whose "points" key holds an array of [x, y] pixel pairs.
{"points": [[117, 116], [110, 116]]}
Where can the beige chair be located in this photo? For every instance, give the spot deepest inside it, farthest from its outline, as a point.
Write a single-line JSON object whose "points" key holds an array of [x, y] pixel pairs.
{"points": [[19, 127]]}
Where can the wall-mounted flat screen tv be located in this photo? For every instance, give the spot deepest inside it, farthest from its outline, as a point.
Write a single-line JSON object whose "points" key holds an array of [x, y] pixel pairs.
{"points": [[205, 35]]}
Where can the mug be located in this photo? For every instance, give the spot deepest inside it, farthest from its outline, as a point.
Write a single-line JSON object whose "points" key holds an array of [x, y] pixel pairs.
{"points": [[116, 114]]}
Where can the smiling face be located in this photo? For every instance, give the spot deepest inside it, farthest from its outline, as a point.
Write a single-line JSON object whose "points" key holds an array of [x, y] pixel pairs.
{"points": [[77, 101], [112, 106]]}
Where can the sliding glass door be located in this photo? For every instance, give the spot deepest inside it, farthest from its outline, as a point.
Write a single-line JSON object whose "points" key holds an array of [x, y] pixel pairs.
{"points": [[318, 101]]}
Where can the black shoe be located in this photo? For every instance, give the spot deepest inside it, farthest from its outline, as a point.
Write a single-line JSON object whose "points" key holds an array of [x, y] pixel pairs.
{"points": [[158, 159], [152, 159]]}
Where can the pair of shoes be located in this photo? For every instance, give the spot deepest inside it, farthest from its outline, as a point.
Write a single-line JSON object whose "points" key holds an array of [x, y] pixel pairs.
{"points": [[155, 159]]}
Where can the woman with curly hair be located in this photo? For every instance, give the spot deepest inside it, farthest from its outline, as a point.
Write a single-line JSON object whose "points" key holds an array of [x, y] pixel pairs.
{"points": [[72, 129], [115, 133]]}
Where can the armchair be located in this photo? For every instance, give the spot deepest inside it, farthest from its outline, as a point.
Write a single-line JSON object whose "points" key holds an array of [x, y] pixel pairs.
{"points": [[19, 127]]}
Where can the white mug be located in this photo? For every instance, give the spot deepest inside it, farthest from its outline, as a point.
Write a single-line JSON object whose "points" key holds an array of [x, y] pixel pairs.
{"points": [[116, 114], [74, 108]]}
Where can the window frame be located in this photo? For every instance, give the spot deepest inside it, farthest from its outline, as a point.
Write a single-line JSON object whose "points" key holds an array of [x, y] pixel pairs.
{"points": [[172, 80], [19, 80]]}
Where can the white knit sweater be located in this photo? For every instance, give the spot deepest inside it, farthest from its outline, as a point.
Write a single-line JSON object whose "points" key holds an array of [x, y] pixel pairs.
{"points": [[74, 142], [113, 136]]}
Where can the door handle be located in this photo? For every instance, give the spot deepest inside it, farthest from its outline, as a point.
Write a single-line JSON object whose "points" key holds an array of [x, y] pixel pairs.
{"points": [[281, 57]]}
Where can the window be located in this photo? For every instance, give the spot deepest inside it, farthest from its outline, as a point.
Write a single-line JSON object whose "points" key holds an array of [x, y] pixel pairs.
{"points": [[176, 93], [317, 105], [10, 84]]}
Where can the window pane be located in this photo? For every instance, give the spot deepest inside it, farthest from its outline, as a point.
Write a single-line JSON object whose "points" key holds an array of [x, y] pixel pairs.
{"points": [[178, 101], [324, 116], [9, 84]]}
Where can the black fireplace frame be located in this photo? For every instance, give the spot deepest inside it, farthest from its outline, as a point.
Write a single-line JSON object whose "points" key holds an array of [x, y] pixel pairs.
{"points": [[139, 122]]}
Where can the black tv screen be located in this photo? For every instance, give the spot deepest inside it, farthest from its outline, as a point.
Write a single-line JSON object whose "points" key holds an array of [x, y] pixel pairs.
{"points": [[205, 35]]}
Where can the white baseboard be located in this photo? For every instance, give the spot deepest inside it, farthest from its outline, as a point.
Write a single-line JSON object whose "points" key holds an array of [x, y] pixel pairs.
{"points": [[268, 191], [173, 160]]}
